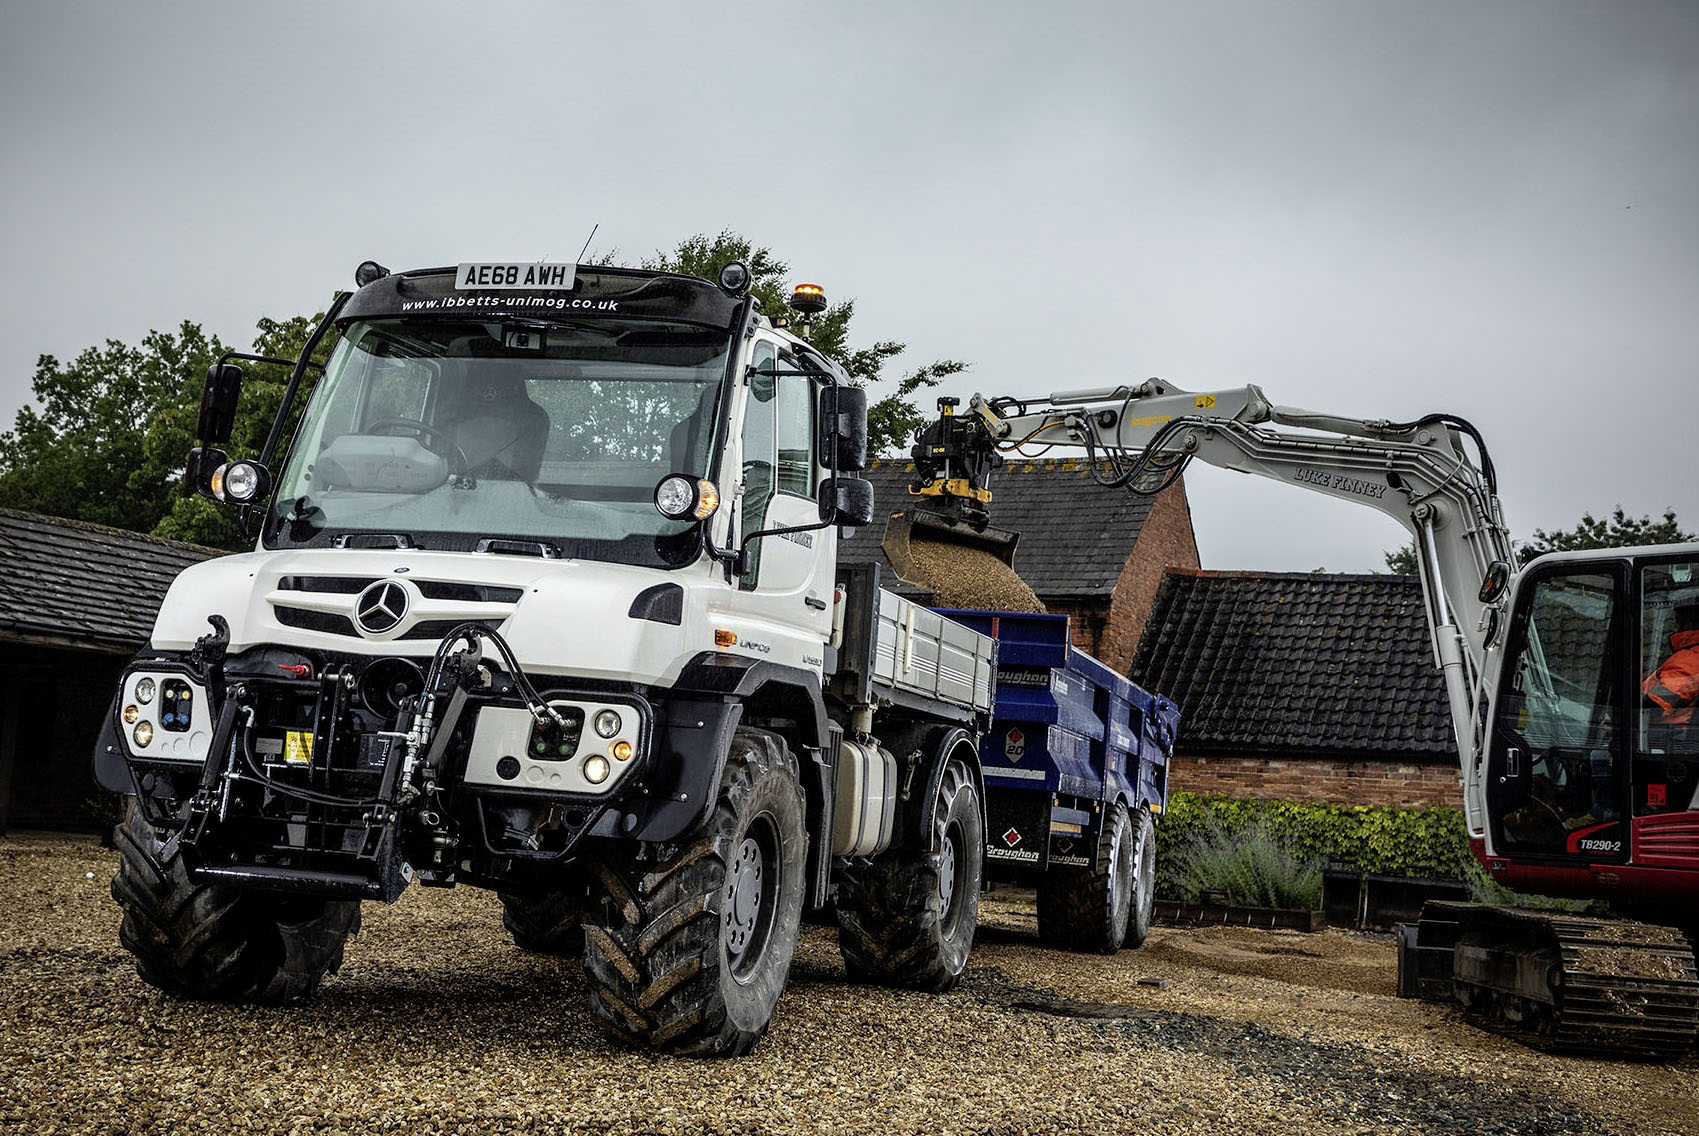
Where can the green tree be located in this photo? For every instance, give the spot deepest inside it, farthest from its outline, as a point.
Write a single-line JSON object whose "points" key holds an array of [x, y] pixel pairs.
{"points": [[1402, 560], [891, 419], [114, 425], [107, 440], [1619, 530]]}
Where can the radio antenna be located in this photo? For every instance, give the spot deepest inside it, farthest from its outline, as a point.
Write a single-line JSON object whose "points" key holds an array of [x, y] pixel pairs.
{"points": [[587, 241]]}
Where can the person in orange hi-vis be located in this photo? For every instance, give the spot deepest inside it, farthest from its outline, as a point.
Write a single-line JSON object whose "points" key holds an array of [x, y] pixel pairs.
{"points": [[1674, 686]]}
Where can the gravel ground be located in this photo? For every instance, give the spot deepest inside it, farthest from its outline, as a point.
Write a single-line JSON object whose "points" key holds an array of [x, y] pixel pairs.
{"points": [[438, 1025]]}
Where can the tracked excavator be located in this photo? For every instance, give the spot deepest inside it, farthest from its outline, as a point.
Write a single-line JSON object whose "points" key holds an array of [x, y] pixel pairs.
{"points": [[1579, 751]]}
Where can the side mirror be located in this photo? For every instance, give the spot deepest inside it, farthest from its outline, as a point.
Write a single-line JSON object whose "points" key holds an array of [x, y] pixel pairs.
{"points": [[218, 403], [846, 500], [843, 428]]}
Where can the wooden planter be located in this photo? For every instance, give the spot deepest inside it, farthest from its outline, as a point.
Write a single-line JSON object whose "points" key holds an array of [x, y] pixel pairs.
{"points": [[1174, 912]]}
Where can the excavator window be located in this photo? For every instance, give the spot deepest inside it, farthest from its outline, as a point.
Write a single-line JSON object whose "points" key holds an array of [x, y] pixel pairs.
{"points": [[1666, 760], [1556, 783]]}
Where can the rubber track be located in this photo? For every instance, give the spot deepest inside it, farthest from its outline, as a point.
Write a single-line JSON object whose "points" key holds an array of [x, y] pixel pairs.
{"points": [[889, 915], [545, 923], [1651, 1011], [214, 942], [651, 935]]}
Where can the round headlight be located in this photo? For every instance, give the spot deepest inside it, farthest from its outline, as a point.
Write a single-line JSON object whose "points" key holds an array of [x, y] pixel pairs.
{"points": [[607, 723], [131, 713], [143, 734], [734, 277], [244, 481], [144, 691], [675, 497], [596, 769]]}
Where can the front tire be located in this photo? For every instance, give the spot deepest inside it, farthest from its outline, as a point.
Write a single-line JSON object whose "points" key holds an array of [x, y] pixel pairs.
{"points": [[1088, 908], [214, 942], [907, 917], [545, 923], [689, 944]]}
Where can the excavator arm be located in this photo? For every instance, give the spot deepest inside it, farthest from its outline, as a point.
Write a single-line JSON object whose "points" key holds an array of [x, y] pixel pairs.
{"points": [[1141, 437]]}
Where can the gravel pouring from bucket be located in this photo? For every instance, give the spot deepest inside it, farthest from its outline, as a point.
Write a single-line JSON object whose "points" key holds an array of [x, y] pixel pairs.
{"points": [[961, 564]]}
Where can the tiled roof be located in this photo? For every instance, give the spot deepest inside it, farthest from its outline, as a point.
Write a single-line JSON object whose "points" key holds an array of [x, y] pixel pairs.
{"points": [[66, 580], [1269, 663], [1076, 535]]}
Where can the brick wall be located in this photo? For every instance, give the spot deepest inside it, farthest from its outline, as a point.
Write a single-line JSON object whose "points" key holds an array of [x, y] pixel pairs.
{"points": [[1321, 780], [1109, 628]]}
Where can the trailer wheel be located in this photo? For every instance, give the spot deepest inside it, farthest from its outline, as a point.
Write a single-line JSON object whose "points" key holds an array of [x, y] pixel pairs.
{"points": [[1144, 880], [545, 923], [215, 942], [688, 944], [907, 917], [1087, 908]]}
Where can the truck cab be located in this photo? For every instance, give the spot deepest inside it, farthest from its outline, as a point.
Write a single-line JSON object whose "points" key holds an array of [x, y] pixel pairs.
{"points": [[545, 591]]}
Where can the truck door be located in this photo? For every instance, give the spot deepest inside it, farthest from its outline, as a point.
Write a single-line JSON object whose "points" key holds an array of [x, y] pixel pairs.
{"points": [[792, 571], [1666, 751], [1556, 772]]}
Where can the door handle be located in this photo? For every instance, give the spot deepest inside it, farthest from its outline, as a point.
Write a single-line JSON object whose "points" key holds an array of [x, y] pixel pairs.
{"points": [[1512, 764]]}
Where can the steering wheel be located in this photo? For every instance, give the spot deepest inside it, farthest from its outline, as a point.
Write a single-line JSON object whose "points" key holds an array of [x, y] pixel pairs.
{"points": [[446, 446]]}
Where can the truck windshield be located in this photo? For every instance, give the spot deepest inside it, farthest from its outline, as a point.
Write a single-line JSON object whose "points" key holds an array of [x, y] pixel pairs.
{"points": [[556, 433]]}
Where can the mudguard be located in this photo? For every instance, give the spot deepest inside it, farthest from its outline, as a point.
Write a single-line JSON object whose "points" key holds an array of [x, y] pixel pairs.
{"points": [[932, 745]]}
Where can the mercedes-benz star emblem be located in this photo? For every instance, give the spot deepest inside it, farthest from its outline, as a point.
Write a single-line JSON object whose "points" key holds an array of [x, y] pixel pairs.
{"points": [[380, 607]]}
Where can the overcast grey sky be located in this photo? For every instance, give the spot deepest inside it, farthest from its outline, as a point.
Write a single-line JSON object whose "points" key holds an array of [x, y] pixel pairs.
{"points": [[1377, 208]]}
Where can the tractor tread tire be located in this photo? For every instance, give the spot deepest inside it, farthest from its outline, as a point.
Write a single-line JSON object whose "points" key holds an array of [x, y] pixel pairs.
{"points": [[1076, 908], [545, 923], [1143, 908], [214, 942], [892, 929], [653, 957]]}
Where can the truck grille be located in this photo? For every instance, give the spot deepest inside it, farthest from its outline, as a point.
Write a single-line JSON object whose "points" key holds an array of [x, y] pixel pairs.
{"points": [[326, 604]]}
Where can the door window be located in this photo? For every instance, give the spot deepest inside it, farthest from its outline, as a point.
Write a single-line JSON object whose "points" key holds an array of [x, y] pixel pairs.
{"points": [[1556, 787], [794, 409], [1666, 766]]}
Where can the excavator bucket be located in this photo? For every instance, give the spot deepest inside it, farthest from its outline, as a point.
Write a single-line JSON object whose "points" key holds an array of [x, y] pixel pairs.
{"points": [[923, 526]]}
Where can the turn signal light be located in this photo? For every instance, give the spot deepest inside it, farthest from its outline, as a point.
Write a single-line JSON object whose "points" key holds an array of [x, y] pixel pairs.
{"points": [[131, 713], [723, 638], [622, 751]]}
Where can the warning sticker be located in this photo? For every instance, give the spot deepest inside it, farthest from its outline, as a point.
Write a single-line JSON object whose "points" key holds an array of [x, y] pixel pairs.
{"points": [[1206, 402], [1014, 745], [298, 747]]}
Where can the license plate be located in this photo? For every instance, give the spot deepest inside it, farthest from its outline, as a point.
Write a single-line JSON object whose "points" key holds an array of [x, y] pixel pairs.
{"points": [[298, 747], [517, 277]]}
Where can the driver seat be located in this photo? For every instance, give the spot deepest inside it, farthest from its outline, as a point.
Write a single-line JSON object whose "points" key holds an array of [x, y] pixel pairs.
{"points": [[498, 427]]}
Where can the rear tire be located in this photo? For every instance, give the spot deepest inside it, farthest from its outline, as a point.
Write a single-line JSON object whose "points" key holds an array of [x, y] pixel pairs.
{"points": [[215, 942], [907, 917], [688, 945], [1144, 880], [1088, 908], [545, 923]]}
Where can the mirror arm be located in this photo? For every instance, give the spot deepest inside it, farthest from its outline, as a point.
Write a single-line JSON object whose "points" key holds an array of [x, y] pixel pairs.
{"points": [[741, 556], [270, 449]]}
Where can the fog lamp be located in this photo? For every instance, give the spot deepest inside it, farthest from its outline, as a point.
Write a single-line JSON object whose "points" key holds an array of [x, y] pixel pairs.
{"points": [[144, 691], [143, 734], [607, 723], [596, 769]]}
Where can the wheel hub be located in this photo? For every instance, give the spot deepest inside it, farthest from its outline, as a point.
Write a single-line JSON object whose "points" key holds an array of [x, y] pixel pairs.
{"points": [[743, 895], [946, 873]]}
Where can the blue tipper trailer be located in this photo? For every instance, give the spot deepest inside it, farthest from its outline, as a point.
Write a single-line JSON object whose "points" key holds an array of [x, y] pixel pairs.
{"points": [[1076, 778]]}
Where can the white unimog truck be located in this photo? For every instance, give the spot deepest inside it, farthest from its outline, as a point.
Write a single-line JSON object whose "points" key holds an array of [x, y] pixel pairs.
{"points": [[545, 599]]}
